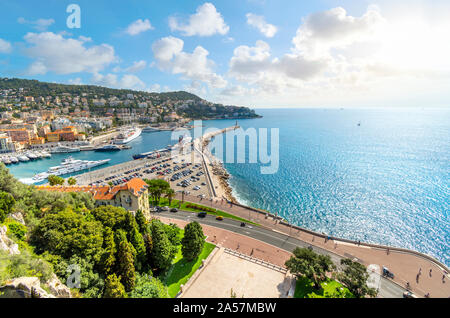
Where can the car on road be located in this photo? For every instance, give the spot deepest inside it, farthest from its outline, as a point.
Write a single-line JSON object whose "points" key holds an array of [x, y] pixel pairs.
{"points": [[174, 210], [408, 294], [202, 215], [243, 224], [219, 218], [387, 273]]}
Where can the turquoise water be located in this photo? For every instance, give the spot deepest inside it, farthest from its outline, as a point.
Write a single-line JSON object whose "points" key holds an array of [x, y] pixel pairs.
{"points": [[144, 143], [386, 181]]}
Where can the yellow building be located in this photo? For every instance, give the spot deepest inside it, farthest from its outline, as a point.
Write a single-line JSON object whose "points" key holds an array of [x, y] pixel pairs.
{"points": [[52, 137], [131, 196], [37, 141]]}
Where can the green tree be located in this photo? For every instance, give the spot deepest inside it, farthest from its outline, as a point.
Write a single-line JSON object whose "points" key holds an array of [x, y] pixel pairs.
{"points": [[111, 216], [157, 187], [125, 264], [149, 287], [55, 180], [310, 264], [354, 276], [7, 203], [193, 241], [141, 222], [163, 252], [148, 247], [68, 233], [114, 288], [108, 258], [138, 243], [169, 194], [72, 181]]}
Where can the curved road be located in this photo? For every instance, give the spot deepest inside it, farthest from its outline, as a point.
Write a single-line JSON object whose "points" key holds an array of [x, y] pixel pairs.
{"points": [[387, 288]]}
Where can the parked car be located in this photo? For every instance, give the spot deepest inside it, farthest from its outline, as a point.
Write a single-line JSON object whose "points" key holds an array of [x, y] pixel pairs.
{"points": [[219, 218], [242, 224], [174, 210], [202, 215]]}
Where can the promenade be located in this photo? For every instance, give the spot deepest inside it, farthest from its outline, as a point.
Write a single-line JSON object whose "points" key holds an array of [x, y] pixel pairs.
{"points": [[405, 265]]}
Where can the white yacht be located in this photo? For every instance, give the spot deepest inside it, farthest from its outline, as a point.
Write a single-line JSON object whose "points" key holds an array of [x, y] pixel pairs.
{"points": [[45, 154], [23, 158], [64, 149], [127, 136], [31, 155], [68, 165], [14, 159]]}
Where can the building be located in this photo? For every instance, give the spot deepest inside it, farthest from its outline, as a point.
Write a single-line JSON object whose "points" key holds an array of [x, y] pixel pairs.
{"points": [[18, 135], [52, 136], [6, 144], [131, 196], [37, 141]]}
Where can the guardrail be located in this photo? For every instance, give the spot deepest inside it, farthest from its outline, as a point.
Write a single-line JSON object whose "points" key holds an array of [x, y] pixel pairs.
{"points": [[256, 260]]}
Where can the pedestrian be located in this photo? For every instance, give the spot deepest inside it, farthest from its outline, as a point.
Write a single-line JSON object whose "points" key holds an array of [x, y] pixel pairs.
{"points": [[431, 271], [387, 251], [443, 279], [417, 278], [427, 295]]}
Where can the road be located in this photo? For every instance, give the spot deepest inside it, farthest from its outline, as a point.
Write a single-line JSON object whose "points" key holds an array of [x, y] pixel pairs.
{"points": [[387, 289]]}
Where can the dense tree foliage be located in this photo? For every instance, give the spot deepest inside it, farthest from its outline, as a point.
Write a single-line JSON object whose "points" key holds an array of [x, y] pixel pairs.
{"points": [[163, 251], [141, 222], [125, 264], [68, 233], [149, 287], [6, 205], [354, 276], [310, 264], [114, 288], [157, 187], [193, 241], [55, 180]]}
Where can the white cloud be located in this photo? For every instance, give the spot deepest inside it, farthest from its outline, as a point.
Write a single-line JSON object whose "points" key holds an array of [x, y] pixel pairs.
{"points": [[53, 52], [139, 26], [127, 81], [166, 48], [205, 22], [325, 30], [39, 24], [195, 66], [136, 67], [255, 64], [257, 21], [5, 46]]}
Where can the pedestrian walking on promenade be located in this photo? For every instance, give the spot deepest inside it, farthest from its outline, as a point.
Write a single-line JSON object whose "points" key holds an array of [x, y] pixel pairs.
{"points": [[431, 271]]}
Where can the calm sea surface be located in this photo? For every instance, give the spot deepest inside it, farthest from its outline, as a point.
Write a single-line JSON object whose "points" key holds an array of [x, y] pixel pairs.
{"points": [[386, 181]]}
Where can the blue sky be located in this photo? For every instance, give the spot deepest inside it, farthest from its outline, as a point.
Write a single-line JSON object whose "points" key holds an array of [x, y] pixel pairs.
{"points": [[258, 53]]}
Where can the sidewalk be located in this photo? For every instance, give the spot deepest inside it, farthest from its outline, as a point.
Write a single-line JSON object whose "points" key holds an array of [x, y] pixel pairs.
{"points": [[404, 265]]}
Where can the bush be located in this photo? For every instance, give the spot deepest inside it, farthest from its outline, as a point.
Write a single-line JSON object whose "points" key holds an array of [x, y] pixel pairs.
{"points": [[18, 230]]}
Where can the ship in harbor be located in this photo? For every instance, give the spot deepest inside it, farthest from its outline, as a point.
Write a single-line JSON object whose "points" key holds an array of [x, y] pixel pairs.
{"points": [[68, 166], [64, 149], [107, 148], [127, 136], [150, 129]]}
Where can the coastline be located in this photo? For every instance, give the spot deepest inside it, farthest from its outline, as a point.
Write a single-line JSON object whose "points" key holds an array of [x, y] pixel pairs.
{"points": [[215, 169]]}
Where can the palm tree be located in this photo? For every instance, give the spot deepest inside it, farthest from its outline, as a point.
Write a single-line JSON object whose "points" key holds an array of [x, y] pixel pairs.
{"points": [[170, 193]]}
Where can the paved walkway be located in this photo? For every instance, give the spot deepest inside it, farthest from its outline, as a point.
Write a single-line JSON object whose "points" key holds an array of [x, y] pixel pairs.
{"points": [[404, 265]]}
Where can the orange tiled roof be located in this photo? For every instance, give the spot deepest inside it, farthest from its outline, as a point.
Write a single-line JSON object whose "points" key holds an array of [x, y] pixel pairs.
{"points": [[136, 186]]}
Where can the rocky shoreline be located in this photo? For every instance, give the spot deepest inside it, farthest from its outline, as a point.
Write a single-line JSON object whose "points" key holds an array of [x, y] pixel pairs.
{"points": [[219, 174]]}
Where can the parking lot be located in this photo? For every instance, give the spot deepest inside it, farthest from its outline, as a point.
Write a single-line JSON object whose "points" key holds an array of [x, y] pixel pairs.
{"points": [[184, 173]]}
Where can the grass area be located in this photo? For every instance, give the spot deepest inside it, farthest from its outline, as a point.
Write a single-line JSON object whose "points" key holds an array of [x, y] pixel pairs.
{"points": [[182, 270], [329, 289], [216, 212]]}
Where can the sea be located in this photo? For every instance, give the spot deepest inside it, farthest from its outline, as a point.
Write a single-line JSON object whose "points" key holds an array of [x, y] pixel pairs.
{"points": [[378, 175]]}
